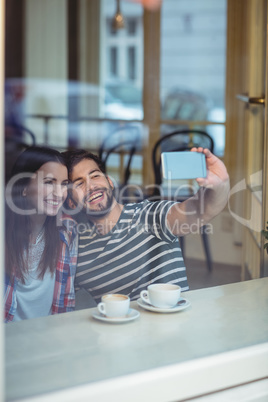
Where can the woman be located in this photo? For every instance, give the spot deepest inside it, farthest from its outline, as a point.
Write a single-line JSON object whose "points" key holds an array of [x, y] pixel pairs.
{"points": [[40, 252]]}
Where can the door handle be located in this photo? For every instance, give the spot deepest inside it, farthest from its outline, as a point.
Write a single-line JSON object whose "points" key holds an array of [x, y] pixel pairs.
{"points": [[251, 100]]}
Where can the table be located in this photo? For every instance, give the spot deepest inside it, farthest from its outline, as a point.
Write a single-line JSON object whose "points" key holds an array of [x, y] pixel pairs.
{"points": [[220, 341]]}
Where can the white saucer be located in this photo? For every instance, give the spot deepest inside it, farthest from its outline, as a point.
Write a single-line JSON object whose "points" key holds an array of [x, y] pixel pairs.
{"points": [[174, 309], [132, 315]]}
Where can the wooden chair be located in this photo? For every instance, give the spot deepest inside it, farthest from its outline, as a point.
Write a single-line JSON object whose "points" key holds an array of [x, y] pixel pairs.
{"points": [[124, 143]]}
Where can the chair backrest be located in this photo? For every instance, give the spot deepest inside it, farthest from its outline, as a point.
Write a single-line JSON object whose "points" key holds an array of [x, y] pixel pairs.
{"points": [[180, 140], [17, 139], [123, 140], [18, 134], [126, 148]]}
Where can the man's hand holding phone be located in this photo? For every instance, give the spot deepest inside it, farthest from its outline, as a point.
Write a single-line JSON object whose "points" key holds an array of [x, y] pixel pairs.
{"points": [[216, 170], [199, 164], [211, 197]]}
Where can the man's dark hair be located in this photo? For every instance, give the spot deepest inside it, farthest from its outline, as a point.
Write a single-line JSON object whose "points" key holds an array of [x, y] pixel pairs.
{"points": [[73, 157]]}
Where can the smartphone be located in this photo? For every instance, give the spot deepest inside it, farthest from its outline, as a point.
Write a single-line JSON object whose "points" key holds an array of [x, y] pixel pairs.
{"points": [[183, 165]]}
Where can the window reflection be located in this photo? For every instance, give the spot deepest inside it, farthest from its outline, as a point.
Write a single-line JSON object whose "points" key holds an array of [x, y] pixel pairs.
{"points": [[94, 96]]}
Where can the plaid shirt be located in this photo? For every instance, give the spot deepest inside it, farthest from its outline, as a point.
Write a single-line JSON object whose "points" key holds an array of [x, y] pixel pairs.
{"points": [[64, 295]]}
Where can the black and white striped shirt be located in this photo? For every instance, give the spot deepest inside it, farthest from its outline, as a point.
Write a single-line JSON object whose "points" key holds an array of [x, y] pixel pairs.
{"points": [[138, 251]]}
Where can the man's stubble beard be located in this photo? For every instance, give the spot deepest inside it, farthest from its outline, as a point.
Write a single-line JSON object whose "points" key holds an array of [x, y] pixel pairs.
{"points": [[103, 209]]}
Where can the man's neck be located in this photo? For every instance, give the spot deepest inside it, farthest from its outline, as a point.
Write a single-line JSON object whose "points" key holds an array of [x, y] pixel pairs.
{"points": [[107, 222]]}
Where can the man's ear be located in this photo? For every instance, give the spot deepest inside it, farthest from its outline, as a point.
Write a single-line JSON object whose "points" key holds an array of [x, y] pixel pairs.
{"points": [[70, 203], [110, 182], [24, 192]]}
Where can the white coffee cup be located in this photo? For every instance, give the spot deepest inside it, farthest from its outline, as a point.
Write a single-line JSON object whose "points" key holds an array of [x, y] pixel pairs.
{"points": [[114, 305], [161, 295]]}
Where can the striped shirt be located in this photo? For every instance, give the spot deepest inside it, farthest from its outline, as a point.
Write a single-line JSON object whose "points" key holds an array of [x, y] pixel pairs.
{"points": [[138, 251]]}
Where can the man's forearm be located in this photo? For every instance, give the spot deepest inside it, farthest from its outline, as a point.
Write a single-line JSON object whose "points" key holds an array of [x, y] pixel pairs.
{"points": [[199, 209], [214, 200]]}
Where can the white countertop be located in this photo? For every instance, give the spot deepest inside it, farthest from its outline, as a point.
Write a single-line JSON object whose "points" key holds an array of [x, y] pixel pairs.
{"points": [[221, 340]]}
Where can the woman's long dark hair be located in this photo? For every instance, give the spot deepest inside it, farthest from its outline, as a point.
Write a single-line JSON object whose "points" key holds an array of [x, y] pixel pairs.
{"points": [[18, 225]]}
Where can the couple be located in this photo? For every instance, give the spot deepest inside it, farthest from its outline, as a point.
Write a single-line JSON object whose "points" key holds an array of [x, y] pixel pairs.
{"points": [[101, 246]]}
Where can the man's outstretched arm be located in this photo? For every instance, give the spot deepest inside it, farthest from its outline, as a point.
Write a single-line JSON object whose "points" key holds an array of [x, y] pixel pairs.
{"points": [[208, 202]]}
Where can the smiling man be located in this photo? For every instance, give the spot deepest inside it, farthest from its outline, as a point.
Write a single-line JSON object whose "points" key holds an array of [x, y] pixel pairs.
{"points": [[124, 248], [92, 189]]}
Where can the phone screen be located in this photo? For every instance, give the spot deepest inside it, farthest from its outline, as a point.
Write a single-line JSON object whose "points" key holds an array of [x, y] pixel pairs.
{"points": [[183, 165]]}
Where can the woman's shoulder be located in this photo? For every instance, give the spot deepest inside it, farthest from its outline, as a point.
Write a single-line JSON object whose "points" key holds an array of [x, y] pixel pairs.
{"points": [[68, 221], [67, 228]]}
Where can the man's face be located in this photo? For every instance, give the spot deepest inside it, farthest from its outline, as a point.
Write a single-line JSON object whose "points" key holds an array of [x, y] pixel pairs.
{"points": [[92, 191]]}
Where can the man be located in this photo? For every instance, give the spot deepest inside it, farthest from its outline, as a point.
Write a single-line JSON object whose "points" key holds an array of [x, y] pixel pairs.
{"points": [[124, 248]]}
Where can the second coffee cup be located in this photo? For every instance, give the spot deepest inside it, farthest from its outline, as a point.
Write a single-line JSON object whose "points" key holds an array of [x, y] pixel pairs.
{"points": [[161, 295], [114, 305]]}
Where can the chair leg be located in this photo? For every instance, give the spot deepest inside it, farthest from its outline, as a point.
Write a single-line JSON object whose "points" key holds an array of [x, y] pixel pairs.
{"points": [[181, 239], [206, 248]]}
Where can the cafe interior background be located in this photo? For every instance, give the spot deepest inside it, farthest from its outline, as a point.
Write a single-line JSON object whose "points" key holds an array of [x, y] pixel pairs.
{"points": [[75, 80]]}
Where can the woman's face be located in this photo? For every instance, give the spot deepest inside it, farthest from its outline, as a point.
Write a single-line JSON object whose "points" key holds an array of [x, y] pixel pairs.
{"points": [[47, 190]]}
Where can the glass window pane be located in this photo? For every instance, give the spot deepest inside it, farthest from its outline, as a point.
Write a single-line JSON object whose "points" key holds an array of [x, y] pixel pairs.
{"points": [[123, 77], [113, 61], [111, 27], [217, 132], [193, 43], [131, 26], [132, 63]]}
